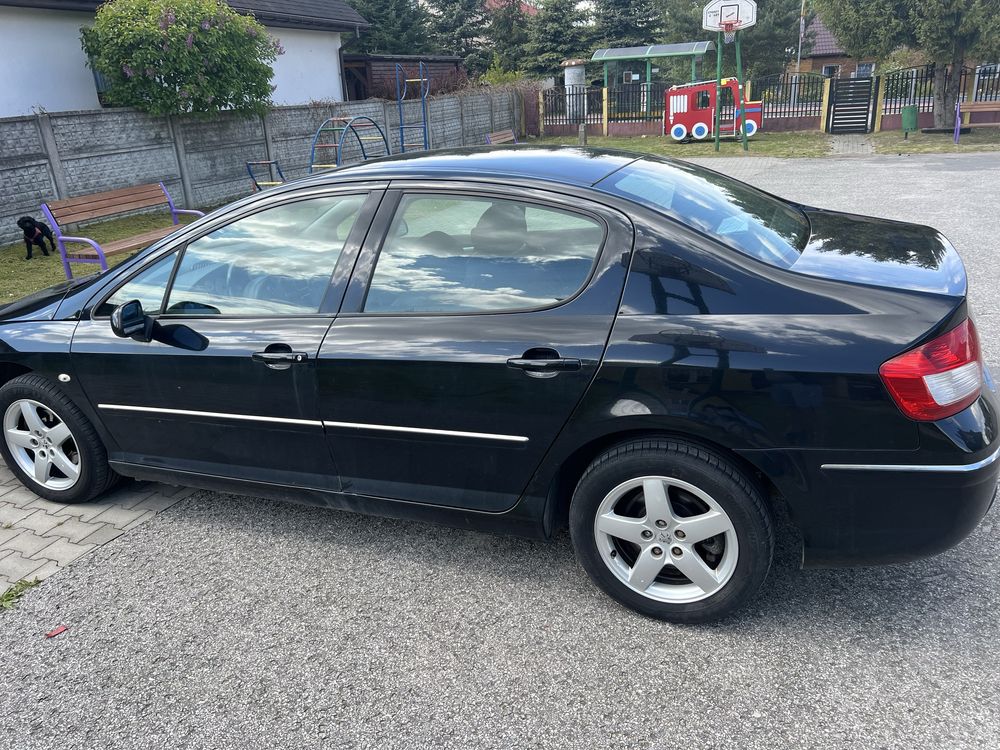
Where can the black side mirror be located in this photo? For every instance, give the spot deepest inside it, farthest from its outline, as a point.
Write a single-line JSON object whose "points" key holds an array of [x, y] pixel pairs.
{"points": [[128, 321]]}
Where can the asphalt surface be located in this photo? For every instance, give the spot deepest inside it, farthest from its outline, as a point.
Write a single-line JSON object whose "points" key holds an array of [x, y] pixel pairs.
{"points": [[230, 622]]}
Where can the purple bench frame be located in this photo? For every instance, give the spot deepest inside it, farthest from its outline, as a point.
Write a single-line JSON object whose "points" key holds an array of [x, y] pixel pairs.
{"points": [[61, 238]]}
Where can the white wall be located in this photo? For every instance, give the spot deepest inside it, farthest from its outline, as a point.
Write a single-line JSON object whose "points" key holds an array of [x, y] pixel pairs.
{"points": [[42, 63], [310, 68]]}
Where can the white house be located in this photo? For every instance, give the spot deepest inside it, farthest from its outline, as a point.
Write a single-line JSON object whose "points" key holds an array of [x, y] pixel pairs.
{"points": [[43, 67]]}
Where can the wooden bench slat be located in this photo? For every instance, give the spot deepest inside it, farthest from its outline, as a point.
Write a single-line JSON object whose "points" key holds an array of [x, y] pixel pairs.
{"points": [[502, 136], [106, 208], [120, 246], [120, 193], [981, 106]]}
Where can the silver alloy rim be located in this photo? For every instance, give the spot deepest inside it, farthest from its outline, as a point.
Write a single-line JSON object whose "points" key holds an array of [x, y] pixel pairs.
{"points": [[680, 546], [42, 444]]}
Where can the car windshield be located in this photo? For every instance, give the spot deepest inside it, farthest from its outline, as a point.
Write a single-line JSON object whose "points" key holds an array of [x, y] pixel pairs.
{"points": [[742, 217]]}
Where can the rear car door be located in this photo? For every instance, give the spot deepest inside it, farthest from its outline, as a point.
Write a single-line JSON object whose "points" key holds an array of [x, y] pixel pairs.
{"points": [[473, 324], [263, 288]]}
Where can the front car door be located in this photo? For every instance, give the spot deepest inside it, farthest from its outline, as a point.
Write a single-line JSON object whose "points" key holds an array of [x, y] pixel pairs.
{"points": [[473, 325], [262, 289]]}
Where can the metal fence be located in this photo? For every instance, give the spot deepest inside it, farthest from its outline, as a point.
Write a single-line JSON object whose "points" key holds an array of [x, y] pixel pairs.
{"points": [[636, 102], [787, 95], [573, 106], [986, 84], [916, 86]]}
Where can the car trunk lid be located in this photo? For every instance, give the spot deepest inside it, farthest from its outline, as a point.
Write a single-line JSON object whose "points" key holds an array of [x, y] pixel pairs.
{"points": [[880, 252]]}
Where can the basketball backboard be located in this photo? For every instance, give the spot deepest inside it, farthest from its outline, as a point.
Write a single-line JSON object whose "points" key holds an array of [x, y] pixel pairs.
{"points": [[740, 14]]}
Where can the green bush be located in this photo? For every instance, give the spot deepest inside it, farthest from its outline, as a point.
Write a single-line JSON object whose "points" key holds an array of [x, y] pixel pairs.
{"points": [[495, 75], [181, 56]]}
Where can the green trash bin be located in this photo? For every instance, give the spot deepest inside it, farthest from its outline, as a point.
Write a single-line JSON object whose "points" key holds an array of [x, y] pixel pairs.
{"points": [[909, 119]]}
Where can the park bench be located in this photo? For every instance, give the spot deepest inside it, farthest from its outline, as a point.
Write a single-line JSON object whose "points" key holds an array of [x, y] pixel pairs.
{"points": [[963, 107], [501, 136], [102, 205]]}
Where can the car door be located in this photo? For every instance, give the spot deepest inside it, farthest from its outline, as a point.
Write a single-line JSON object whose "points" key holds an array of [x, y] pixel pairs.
{"points": [[473, 324], [262, 288]]}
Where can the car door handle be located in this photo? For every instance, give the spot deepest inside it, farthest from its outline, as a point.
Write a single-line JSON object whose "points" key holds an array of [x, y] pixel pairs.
{"points": [[280, 358], [554, 364]]}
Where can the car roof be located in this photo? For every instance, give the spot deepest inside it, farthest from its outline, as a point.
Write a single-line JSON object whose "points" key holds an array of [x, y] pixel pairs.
{"points": [[571, 165]]}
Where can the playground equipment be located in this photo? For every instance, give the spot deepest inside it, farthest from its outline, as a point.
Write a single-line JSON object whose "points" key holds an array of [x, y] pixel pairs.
{"points": [[728, 18], [402, 88], [691, 110], [274, 174], [361, 127]]}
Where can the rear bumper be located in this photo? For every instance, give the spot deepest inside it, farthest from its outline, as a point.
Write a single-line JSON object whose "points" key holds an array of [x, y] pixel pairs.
{"points": [[888, 513], [874, 508]]}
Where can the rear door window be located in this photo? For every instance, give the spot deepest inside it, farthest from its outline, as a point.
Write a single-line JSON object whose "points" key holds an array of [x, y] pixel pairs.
{"points": [[458, 254]]}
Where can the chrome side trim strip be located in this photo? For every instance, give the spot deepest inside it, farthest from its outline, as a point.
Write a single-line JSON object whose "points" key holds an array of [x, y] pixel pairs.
{"points": [[214, 414], [427, 431], [942, 468]]}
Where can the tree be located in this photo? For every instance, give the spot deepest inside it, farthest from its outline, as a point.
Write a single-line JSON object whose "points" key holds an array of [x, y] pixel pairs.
{"points": [[767, 47], [398, 27], [626, 23], [948, 32], [508, 35], [559, 32], [177, 56], [457, 27]]}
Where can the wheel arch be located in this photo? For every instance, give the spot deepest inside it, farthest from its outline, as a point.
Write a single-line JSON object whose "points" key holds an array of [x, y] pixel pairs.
{"points": [[11, 370], [571, 469]]}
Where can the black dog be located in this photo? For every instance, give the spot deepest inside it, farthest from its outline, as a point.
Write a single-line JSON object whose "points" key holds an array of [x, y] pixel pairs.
{"points": [[35, 233]]}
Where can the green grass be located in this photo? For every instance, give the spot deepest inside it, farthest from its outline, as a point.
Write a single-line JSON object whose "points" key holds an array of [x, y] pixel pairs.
{"points": [[799, 143], [10, 597], [892, 142], [19, 277]]}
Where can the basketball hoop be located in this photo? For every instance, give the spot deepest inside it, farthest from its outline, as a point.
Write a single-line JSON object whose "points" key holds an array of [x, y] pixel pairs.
{"points": [[729, 31]]}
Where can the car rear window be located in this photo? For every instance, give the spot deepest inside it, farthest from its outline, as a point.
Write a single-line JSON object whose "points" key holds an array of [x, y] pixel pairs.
{"points": [[742, 217]]}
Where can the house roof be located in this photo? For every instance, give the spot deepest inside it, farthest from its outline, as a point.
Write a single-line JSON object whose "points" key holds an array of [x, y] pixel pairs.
{"points": [[527, 8], [330, 15], [824, 42], [685, 49]]}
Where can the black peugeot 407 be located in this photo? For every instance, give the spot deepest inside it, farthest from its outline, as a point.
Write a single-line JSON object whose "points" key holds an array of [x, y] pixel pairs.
{"points": [[524, 338]]}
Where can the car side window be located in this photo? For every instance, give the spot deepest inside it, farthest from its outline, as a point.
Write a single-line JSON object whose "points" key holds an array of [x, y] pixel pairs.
{"points": [[456, 254], [274, 262], [148, 286]]}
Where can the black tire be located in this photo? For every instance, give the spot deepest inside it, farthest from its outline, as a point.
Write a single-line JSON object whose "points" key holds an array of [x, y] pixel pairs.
{"points": [[706, 470], [96, 476]]}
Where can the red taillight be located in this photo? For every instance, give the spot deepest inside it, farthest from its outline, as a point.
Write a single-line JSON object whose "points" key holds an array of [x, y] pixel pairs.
{"points": [[938, 379]]}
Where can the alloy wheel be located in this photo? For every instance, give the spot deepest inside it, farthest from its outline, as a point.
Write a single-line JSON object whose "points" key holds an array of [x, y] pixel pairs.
{"points": [[42, 444], [666, 539]]}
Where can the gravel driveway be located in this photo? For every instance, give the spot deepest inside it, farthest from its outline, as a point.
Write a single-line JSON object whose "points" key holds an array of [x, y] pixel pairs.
{"points": [[229, 622]]}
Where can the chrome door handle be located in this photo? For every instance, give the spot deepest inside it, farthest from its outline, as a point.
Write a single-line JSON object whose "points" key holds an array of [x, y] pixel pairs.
{"points": [[280, 360], [557, 364]]}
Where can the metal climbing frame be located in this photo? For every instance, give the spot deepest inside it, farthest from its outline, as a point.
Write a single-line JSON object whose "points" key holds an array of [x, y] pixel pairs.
{"points": [[402, 87], [342, 126], [274, 174]]}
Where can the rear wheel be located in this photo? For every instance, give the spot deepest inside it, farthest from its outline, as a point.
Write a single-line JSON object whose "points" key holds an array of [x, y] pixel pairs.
{"points": [[671, 530], [49, 444]]}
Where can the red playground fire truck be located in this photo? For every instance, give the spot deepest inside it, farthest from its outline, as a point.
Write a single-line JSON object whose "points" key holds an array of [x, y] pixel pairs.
{"points": [[689, 110]]}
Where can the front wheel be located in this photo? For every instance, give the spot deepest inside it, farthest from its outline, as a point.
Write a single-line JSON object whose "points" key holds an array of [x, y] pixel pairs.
{"points": [[49, 444], [672, 530]]}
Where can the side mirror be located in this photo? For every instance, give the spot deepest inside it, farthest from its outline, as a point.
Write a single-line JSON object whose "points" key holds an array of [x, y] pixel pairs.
{"points": [[128, 321]]}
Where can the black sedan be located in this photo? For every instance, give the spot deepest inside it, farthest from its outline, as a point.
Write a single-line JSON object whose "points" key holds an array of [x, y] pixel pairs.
{"points": [[521, 339]]}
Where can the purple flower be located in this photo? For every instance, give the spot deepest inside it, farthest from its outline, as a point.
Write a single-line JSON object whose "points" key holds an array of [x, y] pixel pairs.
{"points": [[278, 48], [127, 71], [150, 72], [184, 94], [206, 25], [167, 20], [252, 32], [190, 41]]}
